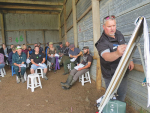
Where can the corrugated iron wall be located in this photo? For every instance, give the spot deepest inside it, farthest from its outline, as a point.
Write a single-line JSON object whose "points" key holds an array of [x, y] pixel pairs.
{"points": [[85, 31], [34, 26], [126, 11], [0, 35]]}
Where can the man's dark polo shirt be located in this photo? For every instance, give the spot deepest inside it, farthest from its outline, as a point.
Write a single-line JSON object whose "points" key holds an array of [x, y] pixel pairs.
{"points": [[105, 42]]}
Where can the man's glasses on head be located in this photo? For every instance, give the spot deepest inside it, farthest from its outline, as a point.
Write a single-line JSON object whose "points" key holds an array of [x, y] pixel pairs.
{"points": [[108, 17]]}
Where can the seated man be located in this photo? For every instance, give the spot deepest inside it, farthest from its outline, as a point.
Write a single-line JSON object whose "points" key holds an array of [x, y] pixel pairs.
{"points": [[36, 59], [65, 54], [19, 58], [40, 48], [74, 74], [2, 63], [11, 54], [61, 49], [73, 53]]}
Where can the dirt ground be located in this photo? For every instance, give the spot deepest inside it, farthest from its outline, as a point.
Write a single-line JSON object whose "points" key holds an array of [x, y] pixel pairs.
{"points": [[15, 98]]}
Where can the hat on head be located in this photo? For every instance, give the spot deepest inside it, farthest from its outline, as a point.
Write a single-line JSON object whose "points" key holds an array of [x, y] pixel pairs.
{"points": [[71, 46], [50, 43], [18, 47], [85, 47]]}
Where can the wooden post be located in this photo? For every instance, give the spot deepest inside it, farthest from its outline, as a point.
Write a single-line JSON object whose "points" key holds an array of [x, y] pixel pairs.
{"points": [[65, 25], [59, 28], [25, 36], [96, 36], [74, 23], [44, 40], [2, 27]]}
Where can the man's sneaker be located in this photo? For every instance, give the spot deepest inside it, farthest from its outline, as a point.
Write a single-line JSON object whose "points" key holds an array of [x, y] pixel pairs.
{"points": [[45, 78], [18, 80], [22, 79]]}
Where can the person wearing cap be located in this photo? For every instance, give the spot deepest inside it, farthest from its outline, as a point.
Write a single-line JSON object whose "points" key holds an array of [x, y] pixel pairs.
{"points": [[73, 53], [11, 54], [111, 47], [74, 74], [51, 51], [19, 58], [38, 58], [61, 49]]}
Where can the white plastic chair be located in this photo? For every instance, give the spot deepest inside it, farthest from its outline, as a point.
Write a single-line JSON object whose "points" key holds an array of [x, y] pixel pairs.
{"points": [[34, 83], [41, 73], [2, 72], [49, 65], [85, 78]]}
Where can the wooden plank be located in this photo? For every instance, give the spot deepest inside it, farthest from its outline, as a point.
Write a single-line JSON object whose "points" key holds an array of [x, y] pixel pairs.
{"points": [[69, 28], [2, 27], [74, 23], [28, 7], [77, 1], [60, 29], [31, 2], [65, 23], [69, 14], [30, 12], [44, 40], [33, 30], [96, 36], [25, 36], [98, 75], [88, 10]]}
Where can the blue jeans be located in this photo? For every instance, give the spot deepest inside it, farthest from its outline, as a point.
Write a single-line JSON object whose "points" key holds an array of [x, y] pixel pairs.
{"points": [[2, 66], [35, 67]]}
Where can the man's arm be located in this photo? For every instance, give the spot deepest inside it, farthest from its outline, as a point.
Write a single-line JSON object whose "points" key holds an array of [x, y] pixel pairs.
{"points": [[112, 56], [77, 55], [43, 61], [85, 67]]}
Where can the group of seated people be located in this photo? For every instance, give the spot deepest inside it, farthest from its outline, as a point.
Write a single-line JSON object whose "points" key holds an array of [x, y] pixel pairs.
{"points": [[68, 54]]}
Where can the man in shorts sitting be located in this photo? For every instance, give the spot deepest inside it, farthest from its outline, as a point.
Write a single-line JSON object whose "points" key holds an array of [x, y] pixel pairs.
{"points": [[37, 60]]}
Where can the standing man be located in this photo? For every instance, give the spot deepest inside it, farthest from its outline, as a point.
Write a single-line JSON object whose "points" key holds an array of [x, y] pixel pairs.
{"points": [[111, 47], [36, 59], [73, 53], [18, 59], [74, 74]]}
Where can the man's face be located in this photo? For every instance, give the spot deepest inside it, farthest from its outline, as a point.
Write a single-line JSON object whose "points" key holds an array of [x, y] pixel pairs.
{"points": [[51, 45], [61, 45], [29, 49], [85, 51], [110, 27], [19, 51], [36, 49], [11, 46], [72, 49], [67, 44]]}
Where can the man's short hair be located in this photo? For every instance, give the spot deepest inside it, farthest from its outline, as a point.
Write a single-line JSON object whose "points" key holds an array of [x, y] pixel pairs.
{"points": [[110, 17], [29, 46], [36, 46], [14, 48]]}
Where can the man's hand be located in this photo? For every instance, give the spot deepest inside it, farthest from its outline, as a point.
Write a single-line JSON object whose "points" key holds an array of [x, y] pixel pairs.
{"points": [[75, 56], [36, 64], [18, 65], [79, 69], [121, 49], [131, 65]]}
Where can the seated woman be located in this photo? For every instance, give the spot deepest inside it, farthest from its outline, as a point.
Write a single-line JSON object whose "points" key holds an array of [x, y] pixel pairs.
{"points": [[11, 54], [2, 63], [4, 51], [18, 59], [24, 49], [51, 51]]}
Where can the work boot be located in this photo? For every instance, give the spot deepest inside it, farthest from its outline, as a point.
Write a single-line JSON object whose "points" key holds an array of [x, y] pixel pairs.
{"points": [[22, 79], [68, 86], [65, 73], [45, 77], [18, 80], [67, 83]]}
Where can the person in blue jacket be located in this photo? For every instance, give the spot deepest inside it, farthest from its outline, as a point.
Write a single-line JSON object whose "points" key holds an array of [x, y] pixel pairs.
{"points": [[11, 54], [18, 59]]}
